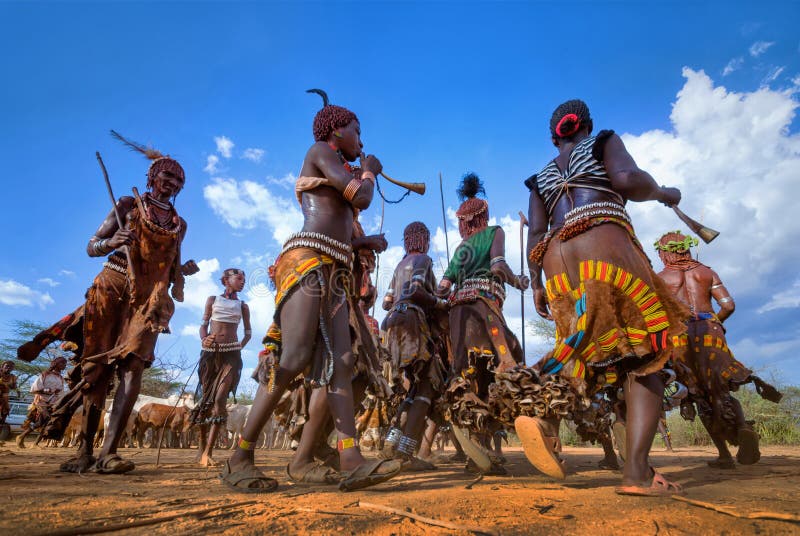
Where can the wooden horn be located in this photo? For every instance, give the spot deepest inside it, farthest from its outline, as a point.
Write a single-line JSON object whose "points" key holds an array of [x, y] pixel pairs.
{"points": [[416, 187], [706, 233]]}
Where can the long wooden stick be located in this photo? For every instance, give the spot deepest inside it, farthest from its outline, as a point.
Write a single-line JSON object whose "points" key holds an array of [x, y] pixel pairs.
{"points": [[730, 511], [116, 210], [444, 219], [523, 221], [75, 531], [428, 520]]}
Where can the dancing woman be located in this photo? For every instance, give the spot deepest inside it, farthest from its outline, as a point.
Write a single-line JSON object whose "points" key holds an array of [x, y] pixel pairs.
{"points": [[220, 360], [615, 319]]}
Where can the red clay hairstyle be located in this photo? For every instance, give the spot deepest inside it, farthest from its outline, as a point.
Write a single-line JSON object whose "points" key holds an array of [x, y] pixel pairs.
{"points": [[416, 237], [330, 117]]}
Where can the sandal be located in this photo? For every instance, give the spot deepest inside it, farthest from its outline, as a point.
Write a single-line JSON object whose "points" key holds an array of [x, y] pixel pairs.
{"points": [[243, 479], [366, 474], [539, 448], [113, 465], [659, 487], [415, 465], [473, 451], [315, 473]]}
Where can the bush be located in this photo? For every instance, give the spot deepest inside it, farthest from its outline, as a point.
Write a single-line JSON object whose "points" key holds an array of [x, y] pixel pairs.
{"points": [[776, 424]]}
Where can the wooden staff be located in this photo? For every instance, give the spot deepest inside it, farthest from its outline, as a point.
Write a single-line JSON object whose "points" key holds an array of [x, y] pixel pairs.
{"points": [[444, 218], [116, 213], [523, 221]]}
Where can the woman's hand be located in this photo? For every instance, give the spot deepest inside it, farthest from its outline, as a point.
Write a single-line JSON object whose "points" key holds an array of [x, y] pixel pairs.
{"points": [[371, 163], [523, 282], [669, 196], [208, 342]]}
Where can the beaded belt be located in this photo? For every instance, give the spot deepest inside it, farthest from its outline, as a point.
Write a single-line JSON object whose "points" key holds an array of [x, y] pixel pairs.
{"points": [[112, 265], [224, 347], [485, 284], [324, 244], [603, 208]]}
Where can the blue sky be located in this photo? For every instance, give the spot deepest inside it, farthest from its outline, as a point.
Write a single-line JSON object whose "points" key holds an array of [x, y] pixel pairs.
{"points": [[704, 94]]}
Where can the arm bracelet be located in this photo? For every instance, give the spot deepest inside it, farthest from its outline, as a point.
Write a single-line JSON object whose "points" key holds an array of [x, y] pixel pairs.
{"points": [[725, 299], [248, 332], [351, 189], [495, 260], [368, 175], [101, 246]]}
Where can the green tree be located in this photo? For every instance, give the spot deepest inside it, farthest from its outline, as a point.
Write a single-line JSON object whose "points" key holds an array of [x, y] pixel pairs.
{"points": [[22, 332]]}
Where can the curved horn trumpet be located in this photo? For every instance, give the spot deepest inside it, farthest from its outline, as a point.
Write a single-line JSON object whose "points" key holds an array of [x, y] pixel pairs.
{"points": [[416, 187]]}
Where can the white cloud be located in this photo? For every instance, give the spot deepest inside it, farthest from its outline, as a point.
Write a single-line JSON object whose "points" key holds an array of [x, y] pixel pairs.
{"points": [[190, 330], [286, 182], [735, 161], [211, 164], [16, 294], [68, 273], [224, 146], [49, 282], [788, 299], [733, 65], [253, 154], [772, 75], [201, 285], [247, 204], [759, 47]]}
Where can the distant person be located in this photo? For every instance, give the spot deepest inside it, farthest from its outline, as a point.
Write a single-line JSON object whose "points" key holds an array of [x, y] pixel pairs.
{"points": [[8, 381], [704, 363], [220, 360], [46, 389]]}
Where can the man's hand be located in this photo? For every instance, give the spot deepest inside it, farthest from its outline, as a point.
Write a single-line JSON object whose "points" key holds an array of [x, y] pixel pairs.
{"points": [[540, 303], [190, 267], [123, 237]]}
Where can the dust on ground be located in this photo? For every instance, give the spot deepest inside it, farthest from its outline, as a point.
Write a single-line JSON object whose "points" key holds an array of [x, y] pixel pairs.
{"points": [[36, 499]]}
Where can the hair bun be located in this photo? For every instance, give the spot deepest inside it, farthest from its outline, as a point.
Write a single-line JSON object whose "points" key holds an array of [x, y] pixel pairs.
{"points": [[568, 125]]}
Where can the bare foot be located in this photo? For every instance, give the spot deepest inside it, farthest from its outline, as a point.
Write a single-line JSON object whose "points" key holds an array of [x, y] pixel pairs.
{"points": [[78, 464]]}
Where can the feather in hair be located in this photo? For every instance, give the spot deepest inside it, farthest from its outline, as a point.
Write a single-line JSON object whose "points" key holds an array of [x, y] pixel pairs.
{"points": [[322, 94], [148, 152], [471, 186]]}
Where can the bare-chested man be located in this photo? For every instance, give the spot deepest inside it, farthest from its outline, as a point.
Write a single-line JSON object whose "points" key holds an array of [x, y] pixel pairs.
{"points": [[704, 363], [126, 308], [312, 276]]}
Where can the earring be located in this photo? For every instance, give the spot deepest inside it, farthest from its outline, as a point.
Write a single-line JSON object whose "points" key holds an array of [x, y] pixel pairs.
{"points": [[337, 134]]}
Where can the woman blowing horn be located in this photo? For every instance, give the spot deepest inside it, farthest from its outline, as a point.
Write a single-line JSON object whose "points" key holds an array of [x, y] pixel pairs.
{"points": [[615, 319]]}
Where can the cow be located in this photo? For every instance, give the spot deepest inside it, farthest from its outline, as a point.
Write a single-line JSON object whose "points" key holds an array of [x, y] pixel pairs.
{"points": [[160, 417]]}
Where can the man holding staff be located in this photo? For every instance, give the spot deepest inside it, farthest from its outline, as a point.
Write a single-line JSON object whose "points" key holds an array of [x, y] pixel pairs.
{"points": [[126, 308]]}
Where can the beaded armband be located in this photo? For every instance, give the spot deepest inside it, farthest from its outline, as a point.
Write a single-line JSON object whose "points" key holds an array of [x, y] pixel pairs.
{"points": [[497, 259], [351, 189]]}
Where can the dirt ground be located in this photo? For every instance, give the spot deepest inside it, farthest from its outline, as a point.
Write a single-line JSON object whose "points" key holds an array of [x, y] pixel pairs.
{"points": [[36, 499]]}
